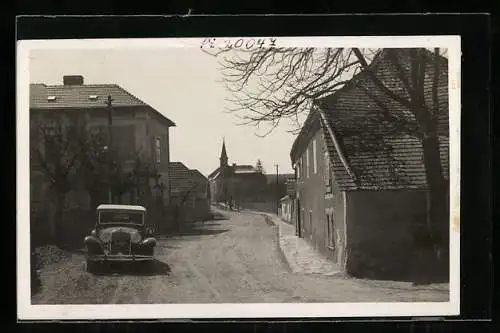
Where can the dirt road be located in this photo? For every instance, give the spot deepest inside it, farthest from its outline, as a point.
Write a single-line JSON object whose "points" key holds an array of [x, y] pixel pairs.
{"points": [[233, 260]]}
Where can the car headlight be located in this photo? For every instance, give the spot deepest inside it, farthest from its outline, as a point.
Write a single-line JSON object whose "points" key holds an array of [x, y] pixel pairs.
{"points": [[135, 237], [105, 236]]}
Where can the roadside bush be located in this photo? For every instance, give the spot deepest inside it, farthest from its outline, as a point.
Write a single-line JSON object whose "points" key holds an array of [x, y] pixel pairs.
{"points": [[48, 254]]}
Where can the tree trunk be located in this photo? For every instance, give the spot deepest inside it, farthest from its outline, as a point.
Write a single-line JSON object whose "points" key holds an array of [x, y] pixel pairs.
{"points": [[437, 219], [58, 220]]}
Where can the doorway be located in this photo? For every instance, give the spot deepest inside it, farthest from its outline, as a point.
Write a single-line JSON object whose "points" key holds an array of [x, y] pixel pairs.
{"points": [[298, 227], [331, 236]]}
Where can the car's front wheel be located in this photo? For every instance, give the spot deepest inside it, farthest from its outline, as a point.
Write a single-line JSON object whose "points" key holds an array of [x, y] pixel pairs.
{"points": [[92, 266]]}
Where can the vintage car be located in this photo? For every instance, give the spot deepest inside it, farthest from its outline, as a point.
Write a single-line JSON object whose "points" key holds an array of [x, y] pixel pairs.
{"points": [[120, 234]]}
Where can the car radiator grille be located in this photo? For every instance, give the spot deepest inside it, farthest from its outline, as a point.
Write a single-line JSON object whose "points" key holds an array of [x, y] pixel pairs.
{"points": [[120, 243]]}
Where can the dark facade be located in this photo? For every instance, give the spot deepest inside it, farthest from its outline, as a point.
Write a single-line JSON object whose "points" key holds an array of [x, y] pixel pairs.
{"points": [[360, 191], [138, 133]]}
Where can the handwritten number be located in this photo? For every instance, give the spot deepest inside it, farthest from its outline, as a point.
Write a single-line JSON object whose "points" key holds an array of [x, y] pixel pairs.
{"points": [[209, 41], [238, 43], [228, 44], [250, 43]]}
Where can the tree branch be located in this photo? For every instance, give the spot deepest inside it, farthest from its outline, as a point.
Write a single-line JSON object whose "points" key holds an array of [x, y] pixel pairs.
{"points": [[404, 102]]}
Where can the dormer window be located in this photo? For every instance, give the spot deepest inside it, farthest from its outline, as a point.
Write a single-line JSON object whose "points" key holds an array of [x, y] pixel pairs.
{"points": [[93, 97], [51, 98]]}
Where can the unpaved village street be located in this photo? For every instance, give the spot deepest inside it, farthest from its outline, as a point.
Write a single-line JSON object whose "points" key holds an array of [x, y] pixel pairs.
{"points": [[231, 260]]}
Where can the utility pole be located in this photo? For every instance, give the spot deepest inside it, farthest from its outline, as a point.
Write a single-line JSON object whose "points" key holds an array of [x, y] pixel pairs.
{"points": [[110, 142], [277, 192]]}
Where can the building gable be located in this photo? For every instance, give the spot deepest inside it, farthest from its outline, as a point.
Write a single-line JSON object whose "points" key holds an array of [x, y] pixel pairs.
{"points": [[181, 179], [368, 155]]}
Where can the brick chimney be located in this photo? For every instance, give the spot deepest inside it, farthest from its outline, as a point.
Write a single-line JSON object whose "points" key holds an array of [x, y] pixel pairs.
{"points": [[73, 80]]}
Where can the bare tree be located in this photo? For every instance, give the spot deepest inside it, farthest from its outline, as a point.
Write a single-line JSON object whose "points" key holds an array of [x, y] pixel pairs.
{"points": [[55, 149], [269, 85]]}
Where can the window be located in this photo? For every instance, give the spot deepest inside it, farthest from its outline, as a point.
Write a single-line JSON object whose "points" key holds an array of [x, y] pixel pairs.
{"points": [[315, 167], [330, 231], [307, 162], [327, 173], [310, 222], [158, 149], [298, 170], [303, 169]]}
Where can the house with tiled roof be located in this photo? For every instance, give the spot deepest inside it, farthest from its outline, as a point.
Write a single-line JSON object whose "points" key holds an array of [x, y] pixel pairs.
{"points": [[127, 127], [361, 189], [189, 191], [236, 184]]}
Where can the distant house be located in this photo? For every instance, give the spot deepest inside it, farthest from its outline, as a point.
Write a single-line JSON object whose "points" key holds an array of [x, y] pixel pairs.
{"points": [[202, 202], [286, 208], [126, 126], [189, 189], [288, 203], [360, 189], [235, 184]]}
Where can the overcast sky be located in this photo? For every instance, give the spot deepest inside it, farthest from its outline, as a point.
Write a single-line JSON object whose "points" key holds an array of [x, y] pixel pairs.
{"points": [[181, 84]]}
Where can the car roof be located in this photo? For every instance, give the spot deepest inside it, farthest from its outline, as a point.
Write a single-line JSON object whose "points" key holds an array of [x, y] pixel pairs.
{"points": [[121, 207]]}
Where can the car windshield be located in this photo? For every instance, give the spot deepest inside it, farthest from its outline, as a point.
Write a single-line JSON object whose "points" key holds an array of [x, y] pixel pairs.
{"points": [[120, 217]]}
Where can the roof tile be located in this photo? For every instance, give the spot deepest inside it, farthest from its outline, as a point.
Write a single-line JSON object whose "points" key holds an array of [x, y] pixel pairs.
{"points": [[380, 155], [77, 96], [181, 178]]}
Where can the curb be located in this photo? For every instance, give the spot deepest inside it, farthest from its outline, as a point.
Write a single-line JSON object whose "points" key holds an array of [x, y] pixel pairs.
{"points": [[281, 253]]}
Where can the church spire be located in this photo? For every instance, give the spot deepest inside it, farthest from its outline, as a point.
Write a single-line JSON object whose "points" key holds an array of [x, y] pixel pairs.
{"points": [[223, 155]]}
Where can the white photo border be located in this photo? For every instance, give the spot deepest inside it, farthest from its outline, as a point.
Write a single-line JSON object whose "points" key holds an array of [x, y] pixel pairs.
{"points": [[27, 311]]}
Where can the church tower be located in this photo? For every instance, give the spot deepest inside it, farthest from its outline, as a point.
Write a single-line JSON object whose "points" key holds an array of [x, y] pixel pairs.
{"points": [[223, 155]]}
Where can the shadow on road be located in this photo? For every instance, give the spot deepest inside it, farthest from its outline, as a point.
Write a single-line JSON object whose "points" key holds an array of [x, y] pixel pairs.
{"points": [[216, 216], [201, 232], [155, 267], [197, 228], [202, 228]]}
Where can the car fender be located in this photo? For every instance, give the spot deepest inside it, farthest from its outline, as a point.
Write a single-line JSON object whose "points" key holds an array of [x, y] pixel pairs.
{"points": [[150, 241], [93, 243], [92, 239]]}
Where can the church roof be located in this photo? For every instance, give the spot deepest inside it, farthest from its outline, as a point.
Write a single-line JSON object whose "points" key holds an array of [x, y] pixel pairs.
{"points": [[223, 154], [214, 173]]}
